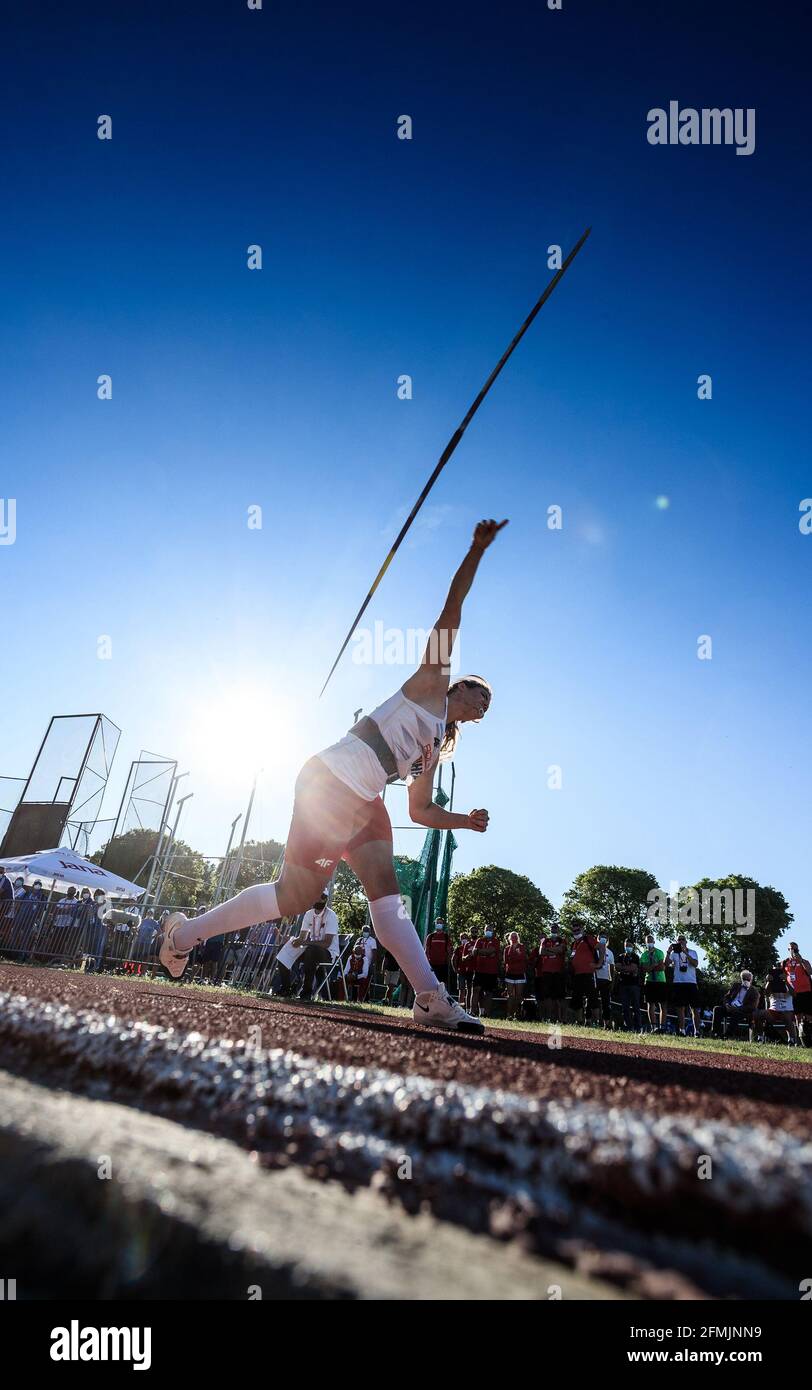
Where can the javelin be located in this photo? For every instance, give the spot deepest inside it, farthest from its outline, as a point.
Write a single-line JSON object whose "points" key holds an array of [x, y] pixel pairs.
{"points": [[451, 446]]}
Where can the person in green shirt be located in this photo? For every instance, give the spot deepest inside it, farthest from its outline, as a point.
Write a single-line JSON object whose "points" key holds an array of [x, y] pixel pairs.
{"points": [[656, 986]]}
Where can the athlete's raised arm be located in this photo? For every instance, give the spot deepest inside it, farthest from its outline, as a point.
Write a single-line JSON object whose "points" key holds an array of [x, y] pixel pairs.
{"points": [[429, 684]]}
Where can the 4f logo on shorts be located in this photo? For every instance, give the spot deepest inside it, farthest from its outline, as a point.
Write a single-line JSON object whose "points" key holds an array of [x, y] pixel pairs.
{"points": [[324, 863]]}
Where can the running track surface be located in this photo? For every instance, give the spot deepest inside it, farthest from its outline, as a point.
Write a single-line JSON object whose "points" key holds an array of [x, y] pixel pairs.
{"points": [[690, 1082], [585, 1154]]}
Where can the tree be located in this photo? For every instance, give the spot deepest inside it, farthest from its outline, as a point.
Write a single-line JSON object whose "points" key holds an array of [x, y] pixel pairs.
{"points": [[191, 878], [612, 899], [498, 898], [729, 946], [348, 900], [129, 854], [259, 863]]}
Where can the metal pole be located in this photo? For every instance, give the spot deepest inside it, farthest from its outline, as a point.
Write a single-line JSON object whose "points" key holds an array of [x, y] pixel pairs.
{"points": [[169, 856], [234, 871], [221, 877], [158, 854]]}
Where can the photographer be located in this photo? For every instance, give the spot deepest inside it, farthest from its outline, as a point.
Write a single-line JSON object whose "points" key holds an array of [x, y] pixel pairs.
{"points": [[683, 960]]}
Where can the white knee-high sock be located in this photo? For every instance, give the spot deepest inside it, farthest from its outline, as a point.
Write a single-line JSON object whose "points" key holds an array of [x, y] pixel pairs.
{"points": [[395, 931], [252, 905]]}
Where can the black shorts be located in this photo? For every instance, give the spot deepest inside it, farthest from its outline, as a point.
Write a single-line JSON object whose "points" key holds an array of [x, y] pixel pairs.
{"points": [[803, 1002], [485, 981], [683, 995], [550, 985], [656, 991], [584, 988]]}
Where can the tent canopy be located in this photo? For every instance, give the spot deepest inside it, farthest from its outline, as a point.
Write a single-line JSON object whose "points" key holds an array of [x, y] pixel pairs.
{"points": [[62, 868]]}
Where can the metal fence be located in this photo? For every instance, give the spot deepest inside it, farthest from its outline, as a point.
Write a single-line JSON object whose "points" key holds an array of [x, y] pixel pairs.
{"points": [[50, 933], [75, 935]]}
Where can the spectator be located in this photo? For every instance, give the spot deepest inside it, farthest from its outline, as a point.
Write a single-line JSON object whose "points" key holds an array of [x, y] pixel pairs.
{"points": [[549, 963], [487, 960], [65, 911], [391, 976], [586, 955], [604, 979], [739, 1005], [652, 961], [28, 909], [629, 974], [515, 974], [462, 966], [145, 939], [437, 950], [94, 932], [799, 978], [62, 937], [683, 960], [319, 934], [353, 973], [369, 947], [6, 887], [7, 896], [121, 927], [779, 1006]]}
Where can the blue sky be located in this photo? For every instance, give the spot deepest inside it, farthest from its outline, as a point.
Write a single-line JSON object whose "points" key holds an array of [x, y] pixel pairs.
{"points": [[277, 388]]}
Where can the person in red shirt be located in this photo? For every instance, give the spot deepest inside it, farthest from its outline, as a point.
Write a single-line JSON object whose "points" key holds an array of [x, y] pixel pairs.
{"points": [[549, 963], [438, 950], [515, 974], [462, 962], [586, 955], [487, 955], [353, 973], [799, 980]]}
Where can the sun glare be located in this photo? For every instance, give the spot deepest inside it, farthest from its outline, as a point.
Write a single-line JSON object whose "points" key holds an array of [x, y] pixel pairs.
{"points": [[241, 731]]}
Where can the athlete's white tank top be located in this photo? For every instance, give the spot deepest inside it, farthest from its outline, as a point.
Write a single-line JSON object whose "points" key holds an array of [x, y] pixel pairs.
{"points": [[413, 734]]}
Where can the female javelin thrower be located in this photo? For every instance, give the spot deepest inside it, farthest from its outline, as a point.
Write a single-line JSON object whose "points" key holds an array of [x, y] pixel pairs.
{"points": [[338, 812]]}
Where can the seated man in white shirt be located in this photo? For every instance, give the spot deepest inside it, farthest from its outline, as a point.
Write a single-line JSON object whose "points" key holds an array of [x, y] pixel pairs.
{"points": [[739, 1005], [315, 943]]}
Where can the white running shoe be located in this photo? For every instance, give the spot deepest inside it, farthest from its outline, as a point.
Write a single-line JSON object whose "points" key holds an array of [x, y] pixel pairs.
{"points": [[173, 961], [435, 1009]]}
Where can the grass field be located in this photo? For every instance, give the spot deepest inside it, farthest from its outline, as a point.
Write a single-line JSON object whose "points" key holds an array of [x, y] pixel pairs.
{"points": [[776, 1052]]}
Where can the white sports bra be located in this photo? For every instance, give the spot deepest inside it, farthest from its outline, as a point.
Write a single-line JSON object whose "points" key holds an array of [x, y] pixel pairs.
{"points": [[413, 734]]}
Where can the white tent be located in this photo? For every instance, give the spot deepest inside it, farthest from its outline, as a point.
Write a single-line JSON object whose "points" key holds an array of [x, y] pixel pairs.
{"points": [[59, 868]]}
